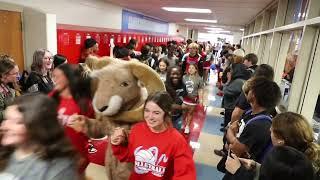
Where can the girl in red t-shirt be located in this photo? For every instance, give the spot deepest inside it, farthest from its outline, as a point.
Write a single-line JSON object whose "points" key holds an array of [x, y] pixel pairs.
{"points": [[157, 150], [73, 96]]}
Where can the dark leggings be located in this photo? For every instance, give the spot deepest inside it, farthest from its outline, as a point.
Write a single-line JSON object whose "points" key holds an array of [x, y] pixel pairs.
{"points": [[227, 116]]}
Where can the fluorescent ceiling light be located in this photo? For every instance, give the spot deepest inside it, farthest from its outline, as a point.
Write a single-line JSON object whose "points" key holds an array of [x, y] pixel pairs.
{"points": [[214, 29], [191, 10], [242, 29], [201, 20], [217, 32]]}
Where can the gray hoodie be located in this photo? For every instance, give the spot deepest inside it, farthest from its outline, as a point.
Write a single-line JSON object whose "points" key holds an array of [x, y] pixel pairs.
{"points": [[233, 89]]}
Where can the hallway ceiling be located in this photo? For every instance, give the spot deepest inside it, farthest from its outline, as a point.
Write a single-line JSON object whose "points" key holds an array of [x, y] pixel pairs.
{"points": [[231, 14]]}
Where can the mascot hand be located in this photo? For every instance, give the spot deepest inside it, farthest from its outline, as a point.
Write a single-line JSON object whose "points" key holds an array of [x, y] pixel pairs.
{"points": [[78, 123], [118, 136]]}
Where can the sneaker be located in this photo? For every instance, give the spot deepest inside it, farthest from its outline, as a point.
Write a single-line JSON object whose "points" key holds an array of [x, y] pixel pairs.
{"points": [[219, 152], [187, 130]]}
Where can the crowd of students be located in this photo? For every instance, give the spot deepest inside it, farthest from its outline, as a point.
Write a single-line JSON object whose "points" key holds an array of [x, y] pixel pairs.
{"points": [[254, 127], [45, 136]]}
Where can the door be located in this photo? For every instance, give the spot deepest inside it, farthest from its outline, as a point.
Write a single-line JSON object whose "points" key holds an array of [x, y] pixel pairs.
{"points": [[11, 36]]}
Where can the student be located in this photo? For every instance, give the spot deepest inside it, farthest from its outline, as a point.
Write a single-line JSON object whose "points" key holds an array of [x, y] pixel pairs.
{"points": [[59, 59], [232, 89], [39, 79], [131, 46], [146, 57], [147, 146], [9, 72], [207, 63], [16, 86], [172, 58], [162, 68], [263, 70], [194, 85], [91, 47], [253, 138], [282, 162], [73, 96], [33, 145], [250, 61], [177, 90], [121, 53], [192, 57], [287, 129], [286, 163], [156, 54]]}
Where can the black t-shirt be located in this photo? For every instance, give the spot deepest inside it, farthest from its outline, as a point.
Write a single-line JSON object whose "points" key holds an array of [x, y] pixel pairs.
{"points": [[38, 83], [177, 94], [242, 102], [256, 135]]}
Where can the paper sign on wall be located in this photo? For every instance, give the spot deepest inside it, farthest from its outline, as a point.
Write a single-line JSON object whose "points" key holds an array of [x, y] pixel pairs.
{"points": [[97, 38], [78, 38], [105, 39], [65, 39], [124, 39], [119, 39]]}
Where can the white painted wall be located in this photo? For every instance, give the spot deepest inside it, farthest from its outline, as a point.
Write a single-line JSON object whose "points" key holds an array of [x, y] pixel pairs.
{"points": [[213, 38], [51, 32], [183, 30], [10, 7], [35, 36], [92, 13], [237, 36]]}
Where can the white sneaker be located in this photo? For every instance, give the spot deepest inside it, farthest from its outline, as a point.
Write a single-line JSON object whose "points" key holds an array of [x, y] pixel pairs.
{"points": [[187, 130]]}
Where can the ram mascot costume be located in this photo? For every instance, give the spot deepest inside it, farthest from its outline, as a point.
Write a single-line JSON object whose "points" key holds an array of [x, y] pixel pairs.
{"points": [[120, 89]]}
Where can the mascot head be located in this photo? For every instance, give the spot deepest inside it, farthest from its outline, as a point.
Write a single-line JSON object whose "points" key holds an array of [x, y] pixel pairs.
{"points": [[120, 87]]}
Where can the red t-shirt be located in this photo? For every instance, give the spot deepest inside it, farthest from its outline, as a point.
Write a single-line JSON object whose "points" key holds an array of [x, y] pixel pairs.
{"points": [[157, 156], [79, 140], [191, 60]]}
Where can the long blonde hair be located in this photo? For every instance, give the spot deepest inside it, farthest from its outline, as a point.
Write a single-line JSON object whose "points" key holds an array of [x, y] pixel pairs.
{"points": [[296, 132]]}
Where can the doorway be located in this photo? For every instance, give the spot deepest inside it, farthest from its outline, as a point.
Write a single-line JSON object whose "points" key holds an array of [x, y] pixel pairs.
{"points": [[11, 36]]}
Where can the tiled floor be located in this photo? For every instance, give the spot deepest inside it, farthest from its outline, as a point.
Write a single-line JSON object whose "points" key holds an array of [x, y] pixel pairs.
{"points": [[210, 137], [205, 136]]}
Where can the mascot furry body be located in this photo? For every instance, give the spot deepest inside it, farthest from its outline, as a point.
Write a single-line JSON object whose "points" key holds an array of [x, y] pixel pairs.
{"points": [[120, 89]]}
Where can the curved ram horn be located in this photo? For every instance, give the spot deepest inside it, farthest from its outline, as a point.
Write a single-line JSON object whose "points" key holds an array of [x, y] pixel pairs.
{"points": [[95, 63], [151, 80]]}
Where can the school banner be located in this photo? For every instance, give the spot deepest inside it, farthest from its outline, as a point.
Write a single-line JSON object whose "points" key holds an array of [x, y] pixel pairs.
{"points": [[134, 22]]}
